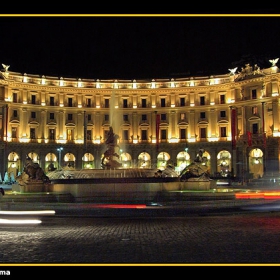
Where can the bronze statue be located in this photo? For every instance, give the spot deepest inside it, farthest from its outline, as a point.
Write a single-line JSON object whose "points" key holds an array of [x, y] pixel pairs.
{"points": [[31, 172], [108, 161], [197, 170]]}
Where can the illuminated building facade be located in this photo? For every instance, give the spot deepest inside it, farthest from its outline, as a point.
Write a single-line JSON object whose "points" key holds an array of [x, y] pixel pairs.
{"points": [[62, 122]]}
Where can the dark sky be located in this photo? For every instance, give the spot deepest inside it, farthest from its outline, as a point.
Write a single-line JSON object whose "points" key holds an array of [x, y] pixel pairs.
{"points": [[137, 47]]}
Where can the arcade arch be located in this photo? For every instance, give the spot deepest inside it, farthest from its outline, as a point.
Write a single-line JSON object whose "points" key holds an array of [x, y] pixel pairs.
{"points": [[88, 161], [256, 165], [144, 160]]}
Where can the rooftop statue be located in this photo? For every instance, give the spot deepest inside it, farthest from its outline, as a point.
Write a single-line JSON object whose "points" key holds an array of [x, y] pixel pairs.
{"points": [[273, 61], [4, 73], [232, 71], [5, 67]]}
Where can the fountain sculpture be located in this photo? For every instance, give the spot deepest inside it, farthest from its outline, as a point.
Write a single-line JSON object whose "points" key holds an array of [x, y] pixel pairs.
{"points": [[196, 175], [33, 178], [109, 159]]}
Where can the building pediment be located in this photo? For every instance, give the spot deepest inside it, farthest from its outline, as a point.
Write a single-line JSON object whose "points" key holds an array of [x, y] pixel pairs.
{"points": [[70, 124]]}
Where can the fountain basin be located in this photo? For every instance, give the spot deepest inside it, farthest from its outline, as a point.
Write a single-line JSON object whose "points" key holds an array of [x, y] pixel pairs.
{"points": [[115, 189], [120, 185]]}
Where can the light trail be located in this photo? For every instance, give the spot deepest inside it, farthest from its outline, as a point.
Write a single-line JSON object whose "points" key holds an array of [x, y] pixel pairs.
{"points": [[21, 221], [31, 212]]}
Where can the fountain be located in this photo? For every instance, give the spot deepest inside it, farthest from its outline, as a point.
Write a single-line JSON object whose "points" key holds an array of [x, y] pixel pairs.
{"points": [[112, 182], [111, 166]]}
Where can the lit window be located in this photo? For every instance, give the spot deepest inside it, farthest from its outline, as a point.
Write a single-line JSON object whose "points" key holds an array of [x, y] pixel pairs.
{"points": [[223, 132], [182, 116], [255, 110]]}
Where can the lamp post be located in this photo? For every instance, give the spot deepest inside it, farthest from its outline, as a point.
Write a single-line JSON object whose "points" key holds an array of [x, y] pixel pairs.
{"points": [[59, 156]]}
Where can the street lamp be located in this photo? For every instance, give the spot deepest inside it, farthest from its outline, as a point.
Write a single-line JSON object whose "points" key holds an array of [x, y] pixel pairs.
{"points": [[59, 156]]}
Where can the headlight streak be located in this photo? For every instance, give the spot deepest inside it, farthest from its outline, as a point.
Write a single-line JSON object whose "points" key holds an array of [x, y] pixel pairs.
{"points": [[39, 212], [22, 221]]}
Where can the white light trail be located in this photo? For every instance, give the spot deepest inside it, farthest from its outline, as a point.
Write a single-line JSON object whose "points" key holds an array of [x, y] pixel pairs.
{"points": [[31, 212], [22, 222]]}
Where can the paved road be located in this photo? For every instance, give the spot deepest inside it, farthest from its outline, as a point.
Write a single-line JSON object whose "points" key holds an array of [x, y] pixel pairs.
{"points": [[233, 238], [228, 232]]}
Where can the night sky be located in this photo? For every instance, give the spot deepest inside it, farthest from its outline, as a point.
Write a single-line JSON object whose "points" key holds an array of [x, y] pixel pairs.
{"points": [[131, 46]]}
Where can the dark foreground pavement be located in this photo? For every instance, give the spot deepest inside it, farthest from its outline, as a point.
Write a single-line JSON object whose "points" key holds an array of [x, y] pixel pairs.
{"points": [[232, 239], [180, 233]]}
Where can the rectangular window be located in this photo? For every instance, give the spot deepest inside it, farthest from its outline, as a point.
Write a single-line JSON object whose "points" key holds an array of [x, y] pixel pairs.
{"points": [[163, 134], [125, 118], [202, 115], [183, 116], [255, 128], [254, 94], [106, 118], [222, 114], [125, 135], [223, 132], [222, 99], [107, 104], [69, 134], [14, 132], [33, 99], [14, 97], [32, 133], [183, 133], [203, 132], [70, 117], [33, 115], [144, 135], [163, 117], [52, 134], [15, 114], [144, 103], [125, 103], [162, 102], [255, 110], [89, 135], [70, 102], [89, 117], [182, 101], [51, 116], [88, 102], [144, 117], [51, 101], [202, 100]]}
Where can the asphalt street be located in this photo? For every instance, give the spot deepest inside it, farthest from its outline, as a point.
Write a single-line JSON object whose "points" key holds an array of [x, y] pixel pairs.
{"points": [[190, 233], [248, 238], [247, 234]]}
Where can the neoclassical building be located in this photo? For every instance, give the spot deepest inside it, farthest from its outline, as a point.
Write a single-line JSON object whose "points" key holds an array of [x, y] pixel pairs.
{"points": [[62, 122]]}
